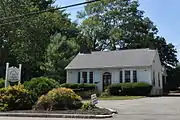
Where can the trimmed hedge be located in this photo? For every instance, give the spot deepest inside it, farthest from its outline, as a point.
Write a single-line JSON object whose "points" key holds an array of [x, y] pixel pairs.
{"points": [[83, 90], [59, 99], [15, 98], [41, 85], [131, 89], [81, 87]]}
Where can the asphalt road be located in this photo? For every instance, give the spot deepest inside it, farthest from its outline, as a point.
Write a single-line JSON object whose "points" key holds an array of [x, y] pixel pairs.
{"points": [[157, 108]]}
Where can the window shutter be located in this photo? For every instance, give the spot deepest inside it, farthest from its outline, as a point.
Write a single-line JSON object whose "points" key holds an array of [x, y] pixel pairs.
{"points": [[79, 77], [134, 76], [121, 77], [91, 77]]}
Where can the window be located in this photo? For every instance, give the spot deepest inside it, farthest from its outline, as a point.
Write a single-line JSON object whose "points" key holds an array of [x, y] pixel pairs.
{"points": [[79, 77], [90, 77], [153, 82], [128, 76], [84, 77], [120, 77], [134, 76]]}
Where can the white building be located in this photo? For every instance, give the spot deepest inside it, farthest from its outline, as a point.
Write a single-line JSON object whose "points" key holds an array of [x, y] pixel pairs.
{"points": [[108, 67]]}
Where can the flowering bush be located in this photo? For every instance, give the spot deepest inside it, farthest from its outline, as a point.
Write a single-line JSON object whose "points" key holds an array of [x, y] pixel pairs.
{"points": [[57, 99], [15, 98]]}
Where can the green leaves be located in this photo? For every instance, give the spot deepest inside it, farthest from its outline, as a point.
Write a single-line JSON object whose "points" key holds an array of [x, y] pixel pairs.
{"points": [[60, 52]]}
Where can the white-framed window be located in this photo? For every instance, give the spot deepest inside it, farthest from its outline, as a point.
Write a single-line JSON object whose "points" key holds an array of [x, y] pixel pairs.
{"points": [[127, 76], [84, 77]]}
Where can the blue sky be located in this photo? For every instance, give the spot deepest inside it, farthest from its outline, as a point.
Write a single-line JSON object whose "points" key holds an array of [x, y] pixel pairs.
{"points": [[164, 13]]}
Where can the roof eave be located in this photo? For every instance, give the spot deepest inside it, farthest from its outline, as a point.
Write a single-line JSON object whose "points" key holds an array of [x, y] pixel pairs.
{"points": [[76, 68]]}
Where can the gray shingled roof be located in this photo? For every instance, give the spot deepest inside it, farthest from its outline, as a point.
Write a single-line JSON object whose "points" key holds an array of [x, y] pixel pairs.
{"points": [[113, 59]]}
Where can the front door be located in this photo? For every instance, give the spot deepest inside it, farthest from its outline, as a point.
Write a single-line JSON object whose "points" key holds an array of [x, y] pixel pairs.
{"points": [[106, 80]]}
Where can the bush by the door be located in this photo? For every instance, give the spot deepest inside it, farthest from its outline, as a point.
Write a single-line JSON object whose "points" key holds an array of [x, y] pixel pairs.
{"points": [[131, 89]]}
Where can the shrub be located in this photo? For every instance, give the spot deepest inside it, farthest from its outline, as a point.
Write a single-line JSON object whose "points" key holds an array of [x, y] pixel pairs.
{"points": [[114, 89], [58, 99], [83, 90], [87, 106], [2, 83], [76, 86], [85, 94], [137, 89], [15, 98], [41, 85]]}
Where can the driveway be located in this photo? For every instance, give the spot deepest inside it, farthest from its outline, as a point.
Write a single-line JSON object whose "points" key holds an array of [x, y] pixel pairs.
{"points": [[157, 108]]}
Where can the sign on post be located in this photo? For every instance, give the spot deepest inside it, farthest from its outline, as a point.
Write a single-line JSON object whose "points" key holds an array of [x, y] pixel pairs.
{"points": [[94, 99], [13, 74]]}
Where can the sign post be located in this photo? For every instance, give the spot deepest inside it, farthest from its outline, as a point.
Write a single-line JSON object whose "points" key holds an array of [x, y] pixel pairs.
{"points": [[6, 78], [20, 66], [13, 74]]}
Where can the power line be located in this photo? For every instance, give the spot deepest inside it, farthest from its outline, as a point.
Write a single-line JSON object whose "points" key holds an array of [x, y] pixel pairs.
{"points": [[48, 10]]}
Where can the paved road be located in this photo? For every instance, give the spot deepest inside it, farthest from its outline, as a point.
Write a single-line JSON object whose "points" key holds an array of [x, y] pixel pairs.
{"points": [[160, 108]]}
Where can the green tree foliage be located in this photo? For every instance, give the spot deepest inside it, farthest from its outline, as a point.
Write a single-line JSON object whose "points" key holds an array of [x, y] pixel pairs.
{"points": [[119, 24], [114, 24], [41, 85], [60, 52], [26, 41]]}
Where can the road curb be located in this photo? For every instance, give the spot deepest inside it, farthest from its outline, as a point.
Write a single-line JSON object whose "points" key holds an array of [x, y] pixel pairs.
{"points": [[112, 110], [48, 115]]}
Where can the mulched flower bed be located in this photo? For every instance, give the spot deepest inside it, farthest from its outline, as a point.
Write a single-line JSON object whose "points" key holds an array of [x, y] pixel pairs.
{"points": [[95, 111]]}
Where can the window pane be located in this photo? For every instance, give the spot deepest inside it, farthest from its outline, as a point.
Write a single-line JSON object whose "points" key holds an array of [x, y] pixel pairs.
{"points": [[134, 76], [120, 77], [127, 76], [84, 76], [79, 77], [90, 77]]}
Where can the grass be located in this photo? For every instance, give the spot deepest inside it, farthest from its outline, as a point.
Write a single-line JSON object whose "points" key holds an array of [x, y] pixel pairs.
{"points": [[120, 97]]}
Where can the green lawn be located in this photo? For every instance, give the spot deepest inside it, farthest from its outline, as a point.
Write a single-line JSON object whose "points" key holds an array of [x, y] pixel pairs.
{"points": [[120, 97]]}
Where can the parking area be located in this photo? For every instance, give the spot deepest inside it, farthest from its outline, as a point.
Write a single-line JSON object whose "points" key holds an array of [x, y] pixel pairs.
{"points": [[155, 108]]}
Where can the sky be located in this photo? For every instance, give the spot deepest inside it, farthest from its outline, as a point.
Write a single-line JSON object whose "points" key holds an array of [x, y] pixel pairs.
{"points": [[164, 13]]}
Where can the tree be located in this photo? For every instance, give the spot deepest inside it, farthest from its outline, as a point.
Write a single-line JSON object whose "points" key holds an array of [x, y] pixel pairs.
{"points": [[60, 52], [115, 24], [119, 24], [26, 40]]}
